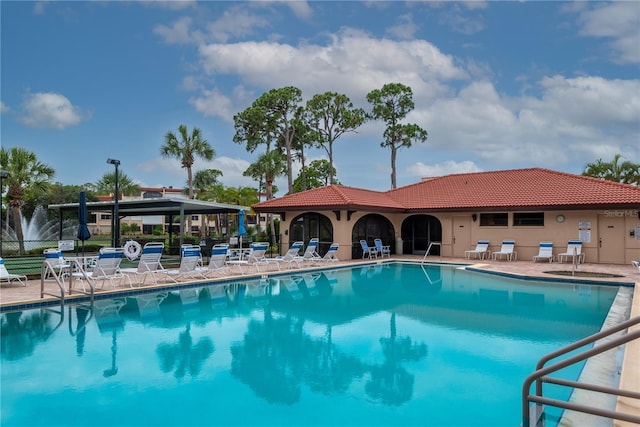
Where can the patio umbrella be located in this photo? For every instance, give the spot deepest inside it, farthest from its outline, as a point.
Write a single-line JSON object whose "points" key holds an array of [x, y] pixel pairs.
{"points": [[241, 230], [83, 219]]}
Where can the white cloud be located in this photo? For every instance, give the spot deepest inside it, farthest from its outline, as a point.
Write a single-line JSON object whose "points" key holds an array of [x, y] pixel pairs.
{"points": [[448, 167], [405, 29], [4, 108], [177, 33], [213, 103], [618, 21], [235, 22], [50, 110]]}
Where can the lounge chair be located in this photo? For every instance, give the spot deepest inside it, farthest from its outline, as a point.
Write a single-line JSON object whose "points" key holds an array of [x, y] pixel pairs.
{"points": [[188, 263], [107, 268], [56, 264], [330, 256], [217, 261], [507, 251], [545, 252], [368, 251], [310, 253], [291, 256], [6, 277], [253, 259], [574, 249], [481, 251], [383, 250], [149, 264], [636, 264]]}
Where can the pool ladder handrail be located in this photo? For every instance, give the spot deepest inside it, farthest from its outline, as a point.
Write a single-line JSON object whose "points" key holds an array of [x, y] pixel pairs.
{"points": [[59, 276], [432, 244], [539, 376]]}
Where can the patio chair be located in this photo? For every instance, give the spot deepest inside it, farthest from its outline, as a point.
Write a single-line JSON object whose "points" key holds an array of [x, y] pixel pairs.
{"points": [[188, 266], [507, 251], [383, 250], [481, 251], [310, 253], [545, 252], [253, 259], [574, 250], [217, 261], [291, 256], [107, 268], [56, 264], [368, 251], [636, 264], [149, 264], [6, 277], [330, 256]]}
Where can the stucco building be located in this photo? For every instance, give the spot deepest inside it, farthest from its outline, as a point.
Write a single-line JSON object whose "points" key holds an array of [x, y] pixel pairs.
{"points": [[450, 213]]}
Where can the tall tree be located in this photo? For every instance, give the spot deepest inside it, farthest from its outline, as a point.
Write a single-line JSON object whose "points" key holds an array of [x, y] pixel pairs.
{"points": [[317, 174], [616, 170], [329, 116], [270, 165], [205, 180], [107, 184], [25, 172], [271, 117], [391, 104], [186, 148]]}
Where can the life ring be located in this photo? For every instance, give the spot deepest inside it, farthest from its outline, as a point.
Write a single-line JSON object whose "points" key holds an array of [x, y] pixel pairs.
{"points": [[132, 250]]}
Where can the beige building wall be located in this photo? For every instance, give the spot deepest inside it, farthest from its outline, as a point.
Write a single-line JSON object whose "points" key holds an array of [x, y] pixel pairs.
{"points": [[609, 236]]}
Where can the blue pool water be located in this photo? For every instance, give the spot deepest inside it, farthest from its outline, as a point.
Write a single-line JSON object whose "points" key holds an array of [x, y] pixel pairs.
{"points": [[386, 345]]}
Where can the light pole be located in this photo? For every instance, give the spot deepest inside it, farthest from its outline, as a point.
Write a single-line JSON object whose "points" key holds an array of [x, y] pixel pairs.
{"points": [[3, 175], [115, 229]]}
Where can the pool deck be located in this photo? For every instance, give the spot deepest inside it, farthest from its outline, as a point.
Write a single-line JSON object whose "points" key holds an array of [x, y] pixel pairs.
{"points": [[629, 376]]}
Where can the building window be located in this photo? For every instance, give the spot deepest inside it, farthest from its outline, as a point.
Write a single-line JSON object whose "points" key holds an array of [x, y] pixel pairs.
{"points": [[528, 218], [494, 219], [194, 217], [105, 217]]}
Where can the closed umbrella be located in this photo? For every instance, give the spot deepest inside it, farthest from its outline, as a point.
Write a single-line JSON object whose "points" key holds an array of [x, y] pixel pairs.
{"points": [[83, 219], [241, 230]]}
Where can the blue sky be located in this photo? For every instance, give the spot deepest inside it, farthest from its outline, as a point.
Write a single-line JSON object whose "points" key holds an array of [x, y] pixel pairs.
{"points": [[497, 85]]}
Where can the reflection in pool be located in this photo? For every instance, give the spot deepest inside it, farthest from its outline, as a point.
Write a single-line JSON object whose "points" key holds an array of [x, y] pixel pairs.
{"points": [[386, 344]]}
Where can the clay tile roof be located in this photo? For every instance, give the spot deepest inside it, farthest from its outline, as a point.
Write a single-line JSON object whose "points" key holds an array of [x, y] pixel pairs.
{"points": [[331, 197], [515, 188]]}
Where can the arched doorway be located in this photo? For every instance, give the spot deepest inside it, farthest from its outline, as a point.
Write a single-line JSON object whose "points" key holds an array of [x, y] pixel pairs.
{"points": [[369, 227], [418, 231], [310, 225]]}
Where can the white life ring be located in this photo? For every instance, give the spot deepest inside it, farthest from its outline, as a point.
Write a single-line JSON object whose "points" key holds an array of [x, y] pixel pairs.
{"points": [[132, 250]]}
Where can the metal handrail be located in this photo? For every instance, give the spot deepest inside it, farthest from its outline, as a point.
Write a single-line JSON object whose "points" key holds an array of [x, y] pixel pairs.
{"points": [[429, 249], [539, 376], [45, 270]]}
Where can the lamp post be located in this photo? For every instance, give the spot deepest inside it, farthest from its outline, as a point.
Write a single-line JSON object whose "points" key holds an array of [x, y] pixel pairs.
{"points": [[115, 229], [3, 175]]}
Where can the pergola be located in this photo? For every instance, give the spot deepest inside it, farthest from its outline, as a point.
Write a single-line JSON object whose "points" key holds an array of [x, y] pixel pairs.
{"points": [[165, 206]]}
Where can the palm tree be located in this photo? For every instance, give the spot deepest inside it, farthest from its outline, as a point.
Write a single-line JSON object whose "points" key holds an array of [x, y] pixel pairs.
{"points": [[126, 186], [25, 172], [186, 149], [616, 170]]}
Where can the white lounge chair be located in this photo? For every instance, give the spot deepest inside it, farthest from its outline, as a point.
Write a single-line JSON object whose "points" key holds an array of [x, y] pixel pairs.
{"points": [[636, 264], [149, 264], [217, 261], [56, 264], [383, 250], [507, 250], [107, 268], [481, 251], [310, 253], [188, 263], [574, 249], [368, 251], [6, 277], [331, 256], [253, 259], [291, 256], [545, 252]]}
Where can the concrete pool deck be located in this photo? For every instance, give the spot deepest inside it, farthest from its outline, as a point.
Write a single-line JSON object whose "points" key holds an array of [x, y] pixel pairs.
{"points": [[598, 370]]}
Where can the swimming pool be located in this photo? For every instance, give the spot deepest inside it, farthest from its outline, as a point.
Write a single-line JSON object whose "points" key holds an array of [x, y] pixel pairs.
{"points": [[386, 344]]}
